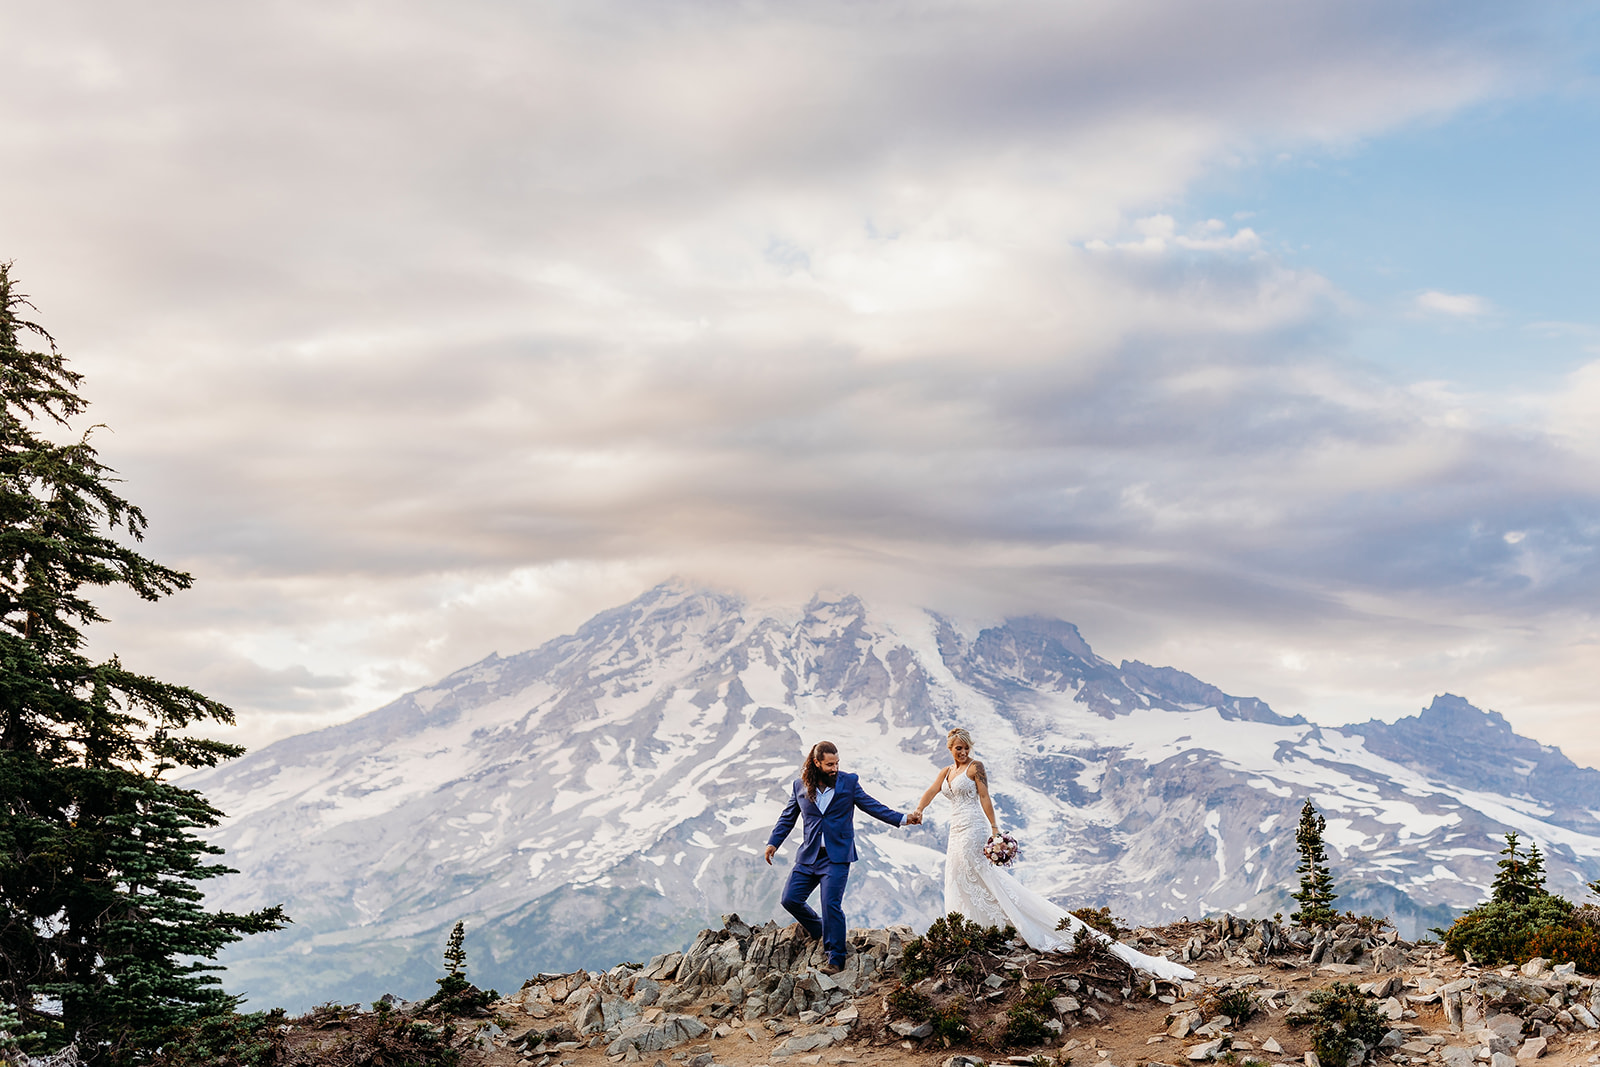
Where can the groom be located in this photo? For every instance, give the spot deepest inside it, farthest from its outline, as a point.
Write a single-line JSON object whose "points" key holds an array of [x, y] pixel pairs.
{"points": [[828, 801]]}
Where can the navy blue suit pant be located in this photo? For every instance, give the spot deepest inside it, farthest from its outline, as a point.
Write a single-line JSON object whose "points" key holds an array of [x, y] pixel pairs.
{"points": [[803, 881]]}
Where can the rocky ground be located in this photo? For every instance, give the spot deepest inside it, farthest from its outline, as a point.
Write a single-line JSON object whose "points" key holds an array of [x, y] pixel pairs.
{"points": [[743, 996]]}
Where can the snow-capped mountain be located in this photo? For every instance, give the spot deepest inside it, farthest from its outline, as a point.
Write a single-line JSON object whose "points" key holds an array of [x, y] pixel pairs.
{"points": [[603, 796]]}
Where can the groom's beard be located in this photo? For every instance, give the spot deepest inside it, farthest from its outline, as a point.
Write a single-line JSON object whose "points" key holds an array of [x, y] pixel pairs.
{"points": [[829, 781]]}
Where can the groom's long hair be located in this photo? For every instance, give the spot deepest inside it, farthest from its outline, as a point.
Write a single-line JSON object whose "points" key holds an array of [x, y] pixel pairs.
{"points": [[811, 774]]}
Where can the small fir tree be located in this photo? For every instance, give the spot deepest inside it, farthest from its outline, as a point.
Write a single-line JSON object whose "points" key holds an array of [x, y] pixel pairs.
{"points": [[454, 982], [1521, 876], [103, 939], [455, 952], [1316, 894]]}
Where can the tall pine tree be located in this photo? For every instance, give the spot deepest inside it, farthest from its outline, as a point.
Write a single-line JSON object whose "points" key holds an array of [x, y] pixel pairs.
{"points": [[103, 939], [1316, 894]]}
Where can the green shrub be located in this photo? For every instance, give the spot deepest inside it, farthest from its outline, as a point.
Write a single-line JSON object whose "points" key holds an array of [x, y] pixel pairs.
{"points": [[1236, 1004], [1342, 1022], [1024, 1027], [947, 941], [1099, 918], [950, 1022], [1501, 931], [907, 1003], [231, 1040], [1579, 944], [1038, 996], [1087, 946]]}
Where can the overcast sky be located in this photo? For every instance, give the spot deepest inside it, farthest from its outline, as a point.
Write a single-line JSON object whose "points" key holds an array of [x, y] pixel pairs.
{"points": [[1258, 339]]}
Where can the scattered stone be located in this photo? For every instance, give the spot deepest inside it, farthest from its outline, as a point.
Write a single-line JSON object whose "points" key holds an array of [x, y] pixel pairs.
{"points": [[1271, 1045], [1207, 1050], [1457, 1056], [1535, 967], [914, 1031], [1501, 1059], [963, 1061], [1534, 1047]]}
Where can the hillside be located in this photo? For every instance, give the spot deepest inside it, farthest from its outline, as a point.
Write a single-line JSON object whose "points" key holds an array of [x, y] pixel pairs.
{"points": [[743, 996]]}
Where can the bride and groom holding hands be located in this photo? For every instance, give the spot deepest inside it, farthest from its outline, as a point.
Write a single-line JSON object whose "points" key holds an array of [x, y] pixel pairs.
{"points": [[826, 799]]}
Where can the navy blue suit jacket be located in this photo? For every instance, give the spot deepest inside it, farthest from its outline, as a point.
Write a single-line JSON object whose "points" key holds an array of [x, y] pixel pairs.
{"points": [[837, 824]]}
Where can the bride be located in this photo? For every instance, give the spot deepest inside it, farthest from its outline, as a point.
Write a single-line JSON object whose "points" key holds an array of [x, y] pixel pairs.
{"points": [[987, 894]]}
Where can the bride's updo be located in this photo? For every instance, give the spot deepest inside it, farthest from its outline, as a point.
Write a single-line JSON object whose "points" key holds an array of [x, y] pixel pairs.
{"points": [[958, 734]]}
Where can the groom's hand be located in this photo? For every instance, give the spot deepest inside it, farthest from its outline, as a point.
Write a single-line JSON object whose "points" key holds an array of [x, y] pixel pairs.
{"points": [[771, 850], [914, 819]]}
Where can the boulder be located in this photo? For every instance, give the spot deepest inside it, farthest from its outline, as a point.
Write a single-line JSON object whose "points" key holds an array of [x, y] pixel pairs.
{"points": [[824, 1038], [1207, 1050], [666, 1031]]}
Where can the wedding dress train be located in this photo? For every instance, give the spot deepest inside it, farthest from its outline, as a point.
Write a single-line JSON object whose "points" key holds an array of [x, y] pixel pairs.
{"points": [[992, 897]]}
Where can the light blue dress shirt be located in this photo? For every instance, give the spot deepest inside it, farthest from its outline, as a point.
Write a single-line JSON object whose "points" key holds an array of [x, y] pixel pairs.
{"points": [[824, 795]]}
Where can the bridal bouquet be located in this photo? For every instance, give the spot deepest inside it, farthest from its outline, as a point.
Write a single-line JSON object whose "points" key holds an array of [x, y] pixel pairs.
{"points": [[1002, 849]]}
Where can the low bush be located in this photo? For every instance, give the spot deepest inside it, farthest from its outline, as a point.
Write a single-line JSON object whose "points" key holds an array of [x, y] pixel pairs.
{"points": [[1501, 931], [1099, 918], [230, 1040], [949, 940], [1579, 944], [907, 1003], [1343, 1022], [1237, 1004], [950, 1022], [1024, 1027]]}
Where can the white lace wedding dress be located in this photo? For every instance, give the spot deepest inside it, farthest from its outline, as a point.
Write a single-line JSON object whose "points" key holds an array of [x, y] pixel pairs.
{"points": [[988, 895]]}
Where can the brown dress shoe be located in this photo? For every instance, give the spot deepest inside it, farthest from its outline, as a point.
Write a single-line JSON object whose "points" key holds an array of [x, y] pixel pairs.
{"points": [[830, 968]]}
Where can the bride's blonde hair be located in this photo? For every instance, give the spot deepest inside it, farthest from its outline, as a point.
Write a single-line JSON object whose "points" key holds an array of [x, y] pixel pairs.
{"points": [[958, 734]]}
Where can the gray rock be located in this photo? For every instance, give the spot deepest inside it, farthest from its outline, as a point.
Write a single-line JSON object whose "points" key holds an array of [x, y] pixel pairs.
{"points": [[801, 1043], [1345, 950], [1502, 1059], [963, 1061], [1535, 967], [669, 1031], [1457, 1056], [1207, 1050], [1532, 1048], [1065, 1005], [914, 1031]]}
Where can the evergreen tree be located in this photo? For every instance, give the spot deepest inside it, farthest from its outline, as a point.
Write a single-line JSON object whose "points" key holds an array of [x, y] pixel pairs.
{"points": [[103, 939], [1521, 877], [1316, 894], [455, 953]]}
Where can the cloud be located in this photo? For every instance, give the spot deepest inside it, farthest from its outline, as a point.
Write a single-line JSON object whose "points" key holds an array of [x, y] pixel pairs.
{"points": [[1455, 305], [425, 333]]}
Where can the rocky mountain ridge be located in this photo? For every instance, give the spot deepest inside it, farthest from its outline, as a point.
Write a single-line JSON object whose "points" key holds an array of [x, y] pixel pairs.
{"points": [[605, 794]]}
